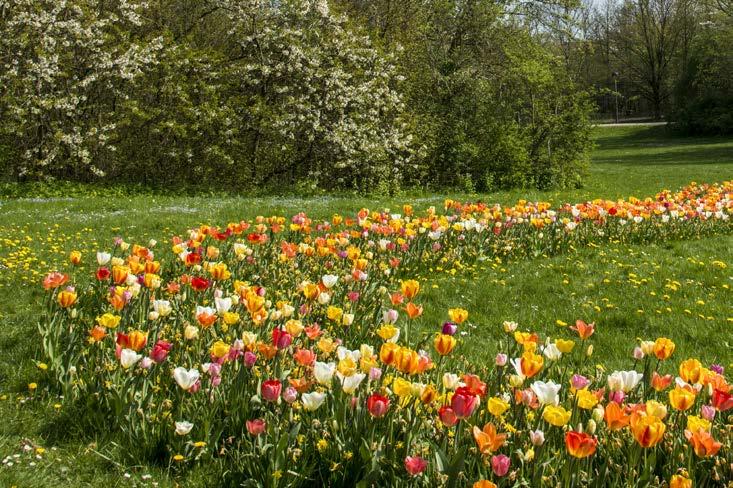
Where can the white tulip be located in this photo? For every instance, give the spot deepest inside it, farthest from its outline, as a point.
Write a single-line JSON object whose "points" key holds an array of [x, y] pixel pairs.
{"points": [[547, 393], [223, 304], [329, 280], [311, 401], [624, 380], [451, 381], [551, 352], [128, 357], [183, 427], [103, 258], [185, 378], [351, 383], [324, 372]]}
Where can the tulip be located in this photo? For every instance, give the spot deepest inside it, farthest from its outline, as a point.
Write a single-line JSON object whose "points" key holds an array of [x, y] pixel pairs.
{"points": [[183, 427], [500, 465], [497, 406], [270, 390], [250, 359], [374, 374], [537, 437], [160, 351], [410, 288], [256, 427], [458, 315], [55, 280], [415, 465], [681, 398], [648, 430], [128, 357], [66, 298], [447, 416], [679, 481], [464, 403], [311, 401], [378, 405], [75, 257], [579, 381], [556, 415], [663, 348], [584, 330], [703, 443], [579, 444], [185, 378], [390, 316], [484, 484], [624, 380], [547, 393], [351, 383], [530, 364], [690, 370], [501, 360], [722, 400], [615, 416], [659, 382], [487, 439], [324, 372], [449, 328]]}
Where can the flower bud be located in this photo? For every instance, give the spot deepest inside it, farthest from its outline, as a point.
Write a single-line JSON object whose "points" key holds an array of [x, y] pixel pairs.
{"points": [[591, 426]]}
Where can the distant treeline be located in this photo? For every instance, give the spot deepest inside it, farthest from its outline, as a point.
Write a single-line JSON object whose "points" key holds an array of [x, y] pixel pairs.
{"points": [[366, 95]]}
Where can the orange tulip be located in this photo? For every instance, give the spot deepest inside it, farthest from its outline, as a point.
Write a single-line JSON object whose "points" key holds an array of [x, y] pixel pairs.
{"points": [[410, 288], [648, 430], [681, 398], [55, 280], [66, 298], [387, 352], [75, 257], [137, 340], [659, 382], [691, 370], [703, 443], [97, 333], [584, 330], [484, 484], [531, 364], [579, 444], [663, 348], [413, 310], [679, 481], [119, 274], [444, 344], [488, 440], [615, 416]]}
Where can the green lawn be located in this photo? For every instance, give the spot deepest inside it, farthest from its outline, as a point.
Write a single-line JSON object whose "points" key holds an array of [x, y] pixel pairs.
{"points": [[678, 289]]}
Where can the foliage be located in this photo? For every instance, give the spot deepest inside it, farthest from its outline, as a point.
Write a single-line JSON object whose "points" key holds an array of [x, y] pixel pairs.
{"points": [[704, 92], [264, 92]]}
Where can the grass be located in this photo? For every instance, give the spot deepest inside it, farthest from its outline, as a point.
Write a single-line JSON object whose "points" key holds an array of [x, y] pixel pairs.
{"points": [[678, 289]]}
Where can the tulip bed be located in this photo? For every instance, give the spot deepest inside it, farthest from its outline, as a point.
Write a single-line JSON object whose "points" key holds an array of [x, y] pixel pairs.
{"points": [[294, 353]]}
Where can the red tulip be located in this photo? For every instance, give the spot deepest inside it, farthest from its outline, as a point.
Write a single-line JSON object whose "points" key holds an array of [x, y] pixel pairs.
{"points": [[270, 390], [199, 284], [280, 338], [160, 351], [447, 416], [463, 402], [377, 405], [256, 427], [415, 465], [721, 400], [102, 273]]}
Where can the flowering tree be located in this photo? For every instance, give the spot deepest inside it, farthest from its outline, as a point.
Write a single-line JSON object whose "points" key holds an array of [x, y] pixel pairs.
{"points": [[65, 67]]}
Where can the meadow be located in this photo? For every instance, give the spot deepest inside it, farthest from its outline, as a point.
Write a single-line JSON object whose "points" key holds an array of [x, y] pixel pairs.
{"points": [[680, 289]]}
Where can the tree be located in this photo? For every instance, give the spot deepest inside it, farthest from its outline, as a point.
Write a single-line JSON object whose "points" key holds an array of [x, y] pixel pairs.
{"points": [[645, 43]]}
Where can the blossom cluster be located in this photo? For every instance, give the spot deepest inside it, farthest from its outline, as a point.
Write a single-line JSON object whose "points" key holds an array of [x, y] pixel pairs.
{"points": [[296, 352]]}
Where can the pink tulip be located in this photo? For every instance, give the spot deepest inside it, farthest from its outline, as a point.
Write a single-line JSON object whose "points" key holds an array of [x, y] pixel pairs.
{"points": [[415, 465], [638, 353], [250, 359], [708, 412], [290, 394], [375, 374], [463, 402], [270, 390], [501, 360], [579, 381], [256, 427], [500, 464], [616, 396]]}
